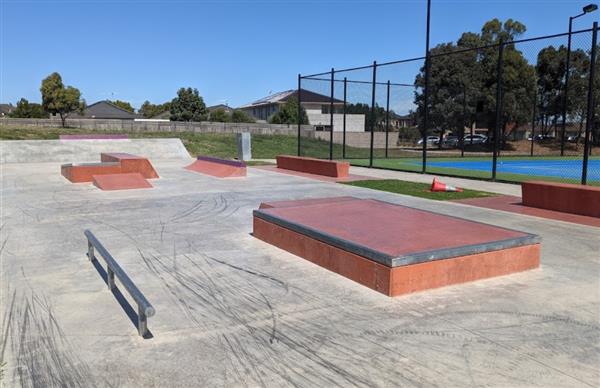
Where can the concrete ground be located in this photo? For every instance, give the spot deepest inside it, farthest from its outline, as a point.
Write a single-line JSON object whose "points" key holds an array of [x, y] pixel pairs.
{"points": [[234, 311]]}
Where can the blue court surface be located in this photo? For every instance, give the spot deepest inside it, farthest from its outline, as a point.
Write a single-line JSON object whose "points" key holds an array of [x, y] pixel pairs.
{"points": [[556, 168]]}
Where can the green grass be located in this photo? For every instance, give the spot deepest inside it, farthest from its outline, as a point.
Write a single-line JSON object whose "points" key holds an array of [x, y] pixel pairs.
{"points": [[416, 189]]}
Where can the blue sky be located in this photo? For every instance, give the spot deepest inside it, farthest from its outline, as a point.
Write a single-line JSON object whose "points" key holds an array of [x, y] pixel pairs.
{"points": [[231, 51]]}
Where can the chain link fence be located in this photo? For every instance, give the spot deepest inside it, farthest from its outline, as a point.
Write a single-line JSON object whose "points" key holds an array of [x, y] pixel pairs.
{"points": [[510, 110]]}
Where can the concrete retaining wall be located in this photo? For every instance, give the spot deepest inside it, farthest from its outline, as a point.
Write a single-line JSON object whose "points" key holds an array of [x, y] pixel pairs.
{"points": [[78, 151]]}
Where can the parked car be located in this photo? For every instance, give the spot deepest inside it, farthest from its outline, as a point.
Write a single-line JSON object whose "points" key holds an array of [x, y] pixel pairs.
{"points": [[573, 139], [431, 140], [450, 142], [475, 139], [540, 137]]}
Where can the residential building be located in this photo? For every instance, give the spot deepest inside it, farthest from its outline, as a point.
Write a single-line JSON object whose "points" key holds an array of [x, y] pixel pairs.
{"points": [[6, 109], [225, 107], [317, 107], [104, 110], [401, 121]]}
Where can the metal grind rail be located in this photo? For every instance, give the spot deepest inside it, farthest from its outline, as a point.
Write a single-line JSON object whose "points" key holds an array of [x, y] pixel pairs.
{"points": [[113, 269]]}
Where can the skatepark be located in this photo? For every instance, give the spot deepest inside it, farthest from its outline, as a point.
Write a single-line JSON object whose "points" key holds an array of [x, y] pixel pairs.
{"points": [[234, 307]]}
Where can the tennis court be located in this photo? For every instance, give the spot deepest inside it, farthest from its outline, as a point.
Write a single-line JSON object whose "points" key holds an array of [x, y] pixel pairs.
{"points": [[569, 169], [514, 169]]}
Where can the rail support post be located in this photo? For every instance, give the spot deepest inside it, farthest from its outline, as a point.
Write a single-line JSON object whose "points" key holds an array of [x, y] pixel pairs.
{"points": [[91, 256], [142, 322], [110, 278]]}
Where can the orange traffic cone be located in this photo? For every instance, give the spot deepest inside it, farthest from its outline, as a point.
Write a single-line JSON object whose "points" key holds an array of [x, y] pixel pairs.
{"points": [[439, 186]]}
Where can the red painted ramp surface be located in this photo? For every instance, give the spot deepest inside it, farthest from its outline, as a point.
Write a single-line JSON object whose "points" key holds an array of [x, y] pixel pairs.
{"points": [[217, 169], [394, 249], [126, 181], [514, 205]]}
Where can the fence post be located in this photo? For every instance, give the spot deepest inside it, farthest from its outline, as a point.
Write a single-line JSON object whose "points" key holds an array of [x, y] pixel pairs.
{"points": [[372, 123], [590, 107], [566, 92], [387, 118], [533, 119], [331, 116], [498, 108], [426, 91], [299, 112], [461, 140], [344, 123]]}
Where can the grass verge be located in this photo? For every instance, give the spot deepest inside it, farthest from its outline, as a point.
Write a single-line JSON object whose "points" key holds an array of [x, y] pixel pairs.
{"points": [[416, 189]]}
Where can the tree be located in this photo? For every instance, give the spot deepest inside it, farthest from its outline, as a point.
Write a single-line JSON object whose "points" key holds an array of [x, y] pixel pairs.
{"points": [[550, 70], [188, 106], [462, 84], [58, 99], [288, 113], [123, 105], [25, 109], [219, 115], [149, 110], [239, 116]]}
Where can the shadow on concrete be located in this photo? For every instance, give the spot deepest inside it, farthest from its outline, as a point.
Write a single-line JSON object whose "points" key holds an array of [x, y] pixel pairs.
{"points": [[125, 305]]}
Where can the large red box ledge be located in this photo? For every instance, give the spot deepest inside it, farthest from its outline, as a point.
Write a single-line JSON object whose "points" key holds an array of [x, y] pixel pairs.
{"points": [[314, 166], [393, 249], [562, 197]]}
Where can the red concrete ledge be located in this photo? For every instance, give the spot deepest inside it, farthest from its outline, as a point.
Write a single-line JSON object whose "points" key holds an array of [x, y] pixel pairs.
{"points": [[220, 168], [562, 197], [394, 249], [131, 163], [314, 166], [84, 172]]}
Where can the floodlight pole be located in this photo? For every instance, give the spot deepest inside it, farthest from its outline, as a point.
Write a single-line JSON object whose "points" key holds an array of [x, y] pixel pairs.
{"points": [[426, 91], [590, 107]]}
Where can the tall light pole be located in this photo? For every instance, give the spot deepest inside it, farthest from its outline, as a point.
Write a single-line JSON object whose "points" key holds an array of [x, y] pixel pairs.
{"points": [[587, 9]]}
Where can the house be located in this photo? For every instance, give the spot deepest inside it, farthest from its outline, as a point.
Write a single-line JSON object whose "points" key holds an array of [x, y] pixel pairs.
{"points": [[225, 107], [6, 109], [317, 108], [166, 115], [401, 121], [104, 110]]}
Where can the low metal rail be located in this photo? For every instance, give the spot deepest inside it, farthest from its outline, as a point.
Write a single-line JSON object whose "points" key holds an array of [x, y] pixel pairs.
{"points": [[113, 269]]}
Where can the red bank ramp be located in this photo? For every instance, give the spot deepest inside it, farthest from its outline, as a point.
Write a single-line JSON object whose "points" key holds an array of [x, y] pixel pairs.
{"points": [[220, 168], [125, 181]]}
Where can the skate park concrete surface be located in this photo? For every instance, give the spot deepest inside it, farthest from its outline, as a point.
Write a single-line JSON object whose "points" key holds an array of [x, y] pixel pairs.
{"points": [[233, 311]]}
